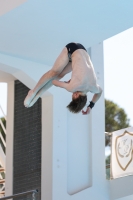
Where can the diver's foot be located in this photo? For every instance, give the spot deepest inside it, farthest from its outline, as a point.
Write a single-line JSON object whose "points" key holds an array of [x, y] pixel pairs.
{"points": [[28, 98], [33, 101]]}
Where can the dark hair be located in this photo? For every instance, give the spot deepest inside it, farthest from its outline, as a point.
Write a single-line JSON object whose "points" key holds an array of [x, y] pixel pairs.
{"points": [[76, 105]]}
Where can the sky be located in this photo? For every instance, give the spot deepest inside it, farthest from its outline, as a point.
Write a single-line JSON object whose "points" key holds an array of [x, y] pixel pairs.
{"points": [[118, 73], [3, 98]]}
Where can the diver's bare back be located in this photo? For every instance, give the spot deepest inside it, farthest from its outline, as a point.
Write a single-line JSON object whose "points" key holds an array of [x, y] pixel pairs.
{"points": [[83, 74]]}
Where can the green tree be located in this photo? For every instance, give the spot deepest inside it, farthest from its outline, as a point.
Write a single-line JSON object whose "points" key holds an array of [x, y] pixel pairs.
{"points": [[115, 117]]}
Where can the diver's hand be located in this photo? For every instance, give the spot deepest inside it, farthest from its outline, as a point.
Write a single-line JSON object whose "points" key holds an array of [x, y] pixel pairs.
{"points": [[88, 110]]}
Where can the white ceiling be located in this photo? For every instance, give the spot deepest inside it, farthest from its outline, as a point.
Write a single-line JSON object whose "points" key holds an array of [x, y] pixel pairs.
{"points": [[38, 29], [6, 77], [6, 5]]}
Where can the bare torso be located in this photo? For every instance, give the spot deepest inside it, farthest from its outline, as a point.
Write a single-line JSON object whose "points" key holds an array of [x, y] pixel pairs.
{"points": [[83, 75]]}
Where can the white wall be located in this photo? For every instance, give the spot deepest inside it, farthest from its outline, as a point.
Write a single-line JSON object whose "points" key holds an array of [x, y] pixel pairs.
{"points": [[126, 198], [78, 170]]}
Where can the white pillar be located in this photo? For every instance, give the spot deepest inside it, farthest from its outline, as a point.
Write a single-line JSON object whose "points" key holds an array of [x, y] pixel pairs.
{"points": [[9, 139], [47, 147], [78, 143]]}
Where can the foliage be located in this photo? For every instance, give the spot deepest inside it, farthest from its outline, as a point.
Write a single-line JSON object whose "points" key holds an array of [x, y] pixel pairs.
{"points": [[108, 169], [115, 118], [108, 160]]}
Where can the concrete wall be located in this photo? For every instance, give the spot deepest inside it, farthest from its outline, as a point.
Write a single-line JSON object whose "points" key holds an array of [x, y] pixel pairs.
{"points": [[126, 198], [77, 141]]}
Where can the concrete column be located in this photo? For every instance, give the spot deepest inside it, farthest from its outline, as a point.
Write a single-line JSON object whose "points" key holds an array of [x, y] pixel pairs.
{"points": [[73, 165], [47, 148], [9, 139]]}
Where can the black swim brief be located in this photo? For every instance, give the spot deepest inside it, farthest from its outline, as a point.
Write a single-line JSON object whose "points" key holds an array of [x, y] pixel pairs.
{"points": [[71, 47]]}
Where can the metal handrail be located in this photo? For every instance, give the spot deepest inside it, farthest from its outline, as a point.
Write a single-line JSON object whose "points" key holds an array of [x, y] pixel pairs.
{"points": [[3, 141], [2, 125], [3, 112], [33, 192]]}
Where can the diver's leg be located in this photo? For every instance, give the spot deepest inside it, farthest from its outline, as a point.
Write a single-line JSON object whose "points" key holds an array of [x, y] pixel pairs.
{"points": [[57, 68]]}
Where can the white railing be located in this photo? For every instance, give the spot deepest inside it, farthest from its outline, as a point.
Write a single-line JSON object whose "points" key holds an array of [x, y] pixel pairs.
{"points": [[2, 112], [2, 154], [32, 192]]}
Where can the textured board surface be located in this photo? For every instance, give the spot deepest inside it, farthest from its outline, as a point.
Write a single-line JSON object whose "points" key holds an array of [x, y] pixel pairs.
{"points": [[27, 144]]}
